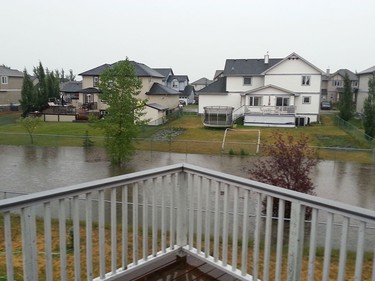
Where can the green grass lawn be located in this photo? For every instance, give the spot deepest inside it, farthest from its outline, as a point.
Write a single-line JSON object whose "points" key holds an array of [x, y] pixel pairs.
{"points": [[195, 138]]}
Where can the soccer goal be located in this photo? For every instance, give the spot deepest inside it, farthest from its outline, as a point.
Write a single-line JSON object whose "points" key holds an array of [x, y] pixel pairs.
{"points": [[237, 141]]}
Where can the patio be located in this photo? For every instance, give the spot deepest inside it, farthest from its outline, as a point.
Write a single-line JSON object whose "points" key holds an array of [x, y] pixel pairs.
{"points": [[139, 222]]}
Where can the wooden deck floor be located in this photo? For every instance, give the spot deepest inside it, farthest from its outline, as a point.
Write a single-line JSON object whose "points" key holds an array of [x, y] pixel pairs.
{"points": [[187, 268]]}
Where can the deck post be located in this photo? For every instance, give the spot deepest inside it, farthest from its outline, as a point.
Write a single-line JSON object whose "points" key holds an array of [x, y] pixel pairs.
{"points": [[181, 200], [296, 232]]}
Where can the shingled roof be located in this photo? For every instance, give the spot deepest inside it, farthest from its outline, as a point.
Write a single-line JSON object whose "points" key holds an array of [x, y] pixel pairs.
{"points": [[243, 67], [219, 86], [342, 73], [368, 70], [71, 87], [141, 70], [158, 89], [5, 71]]}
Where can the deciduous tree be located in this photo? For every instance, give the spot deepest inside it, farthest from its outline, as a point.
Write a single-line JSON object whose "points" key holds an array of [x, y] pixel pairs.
{"points": [[120, 88], [30, 123], [287, 163]]}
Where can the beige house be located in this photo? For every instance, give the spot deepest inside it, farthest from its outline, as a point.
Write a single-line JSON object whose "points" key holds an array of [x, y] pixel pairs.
{"points": [[161, 100], [364, 77], [335, 84], [10, 86]]}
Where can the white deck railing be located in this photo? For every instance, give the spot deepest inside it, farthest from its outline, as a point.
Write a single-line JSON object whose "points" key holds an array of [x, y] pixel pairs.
{"points": [[132, 220]]}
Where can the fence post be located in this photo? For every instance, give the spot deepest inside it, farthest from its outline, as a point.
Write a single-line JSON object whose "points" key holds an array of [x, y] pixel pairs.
{"points": [[181, 204], [29, 251], [296, 232]]}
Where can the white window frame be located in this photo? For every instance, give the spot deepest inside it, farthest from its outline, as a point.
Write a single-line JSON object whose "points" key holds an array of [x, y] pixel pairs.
{"points": [[255, 101], [308, 101], [4, 79], [95, 81], [306, 80], [247, 81]]}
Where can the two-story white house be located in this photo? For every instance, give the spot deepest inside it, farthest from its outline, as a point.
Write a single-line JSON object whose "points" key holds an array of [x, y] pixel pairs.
{"points": [[364, 77], [281, 92], [161, 100]]}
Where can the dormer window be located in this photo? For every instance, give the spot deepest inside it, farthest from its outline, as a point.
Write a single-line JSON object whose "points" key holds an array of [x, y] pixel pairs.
{"points": [[175, 84], [96, 81], [306, 80], [247, 80]]}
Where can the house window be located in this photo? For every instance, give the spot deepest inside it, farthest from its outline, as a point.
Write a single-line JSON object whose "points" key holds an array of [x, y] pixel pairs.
{"points": [[306, 80], [337, 83], [354, 83], [175, 84], [4, 79], [282, 101], [96, 81], [306, 100], [255, 101], [247, 80]]}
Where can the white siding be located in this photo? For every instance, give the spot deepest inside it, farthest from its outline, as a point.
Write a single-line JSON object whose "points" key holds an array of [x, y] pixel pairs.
{"points": [[293, 82], [235, 84], [362, 91]]}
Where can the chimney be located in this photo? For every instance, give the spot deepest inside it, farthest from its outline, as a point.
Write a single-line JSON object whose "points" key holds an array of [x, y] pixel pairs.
{"points": [[328, 71], [266, 58]]}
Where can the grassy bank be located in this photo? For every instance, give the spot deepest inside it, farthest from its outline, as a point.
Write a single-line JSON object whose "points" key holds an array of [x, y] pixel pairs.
{"points": [[194, 137]]}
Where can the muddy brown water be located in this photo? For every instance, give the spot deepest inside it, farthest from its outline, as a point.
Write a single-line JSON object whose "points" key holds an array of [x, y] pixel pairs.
{"points": [[29, 169]]}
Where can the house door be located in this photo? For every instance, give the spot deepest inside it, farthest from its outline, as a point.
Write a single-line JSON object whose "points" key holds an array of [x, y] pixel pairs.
{"points": [[255, 101]]}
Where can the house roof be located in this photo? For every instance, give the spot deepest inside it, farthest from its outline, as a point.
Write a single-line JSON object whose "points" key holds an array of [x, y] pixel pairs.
{"points": [[5, 71], [159, 89], [90, 90], [272, 87], [218, 73], [202, 81], [141, 70], [164, 71], [219, 86], [158, 106], [368, 70], [243, 67], [180, 78], [342, 73], [293, 56], [71, 87], [189, 89], [95, 71]]}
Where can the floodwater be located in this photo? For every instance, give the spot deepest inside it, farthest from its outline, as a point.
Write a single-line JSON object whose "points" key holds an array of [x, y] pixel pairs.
{"points": [[28, 169]]}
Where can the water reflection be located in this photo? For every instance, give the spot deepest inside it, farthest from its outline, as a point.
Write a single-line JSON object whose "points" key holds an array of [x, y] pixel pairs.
{"points": [[30, 169]]}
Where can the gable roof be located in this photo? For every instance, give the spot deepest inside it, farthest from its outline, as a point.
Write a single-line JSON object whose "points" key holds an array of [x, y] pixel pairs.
{"points": [[219, 86], [71, 87], [95, 71], [202, 81], [368, 70], [164, 71], [141, 70], [292, 56], [159, 89], [272, 87], [180, 78], [342, 73], [189, 89], [243, 67], [5, 71]]}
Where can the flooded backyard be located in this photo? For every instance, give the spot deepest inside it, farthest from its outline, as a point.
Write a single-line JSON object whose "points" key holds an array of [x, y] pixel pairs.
{"points": [[31, 169]]}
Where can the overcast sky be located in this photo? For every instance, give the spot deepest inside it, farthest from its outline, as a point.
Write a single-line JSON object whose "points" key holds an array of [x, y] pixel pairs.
{"points": [[192, 37]]}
